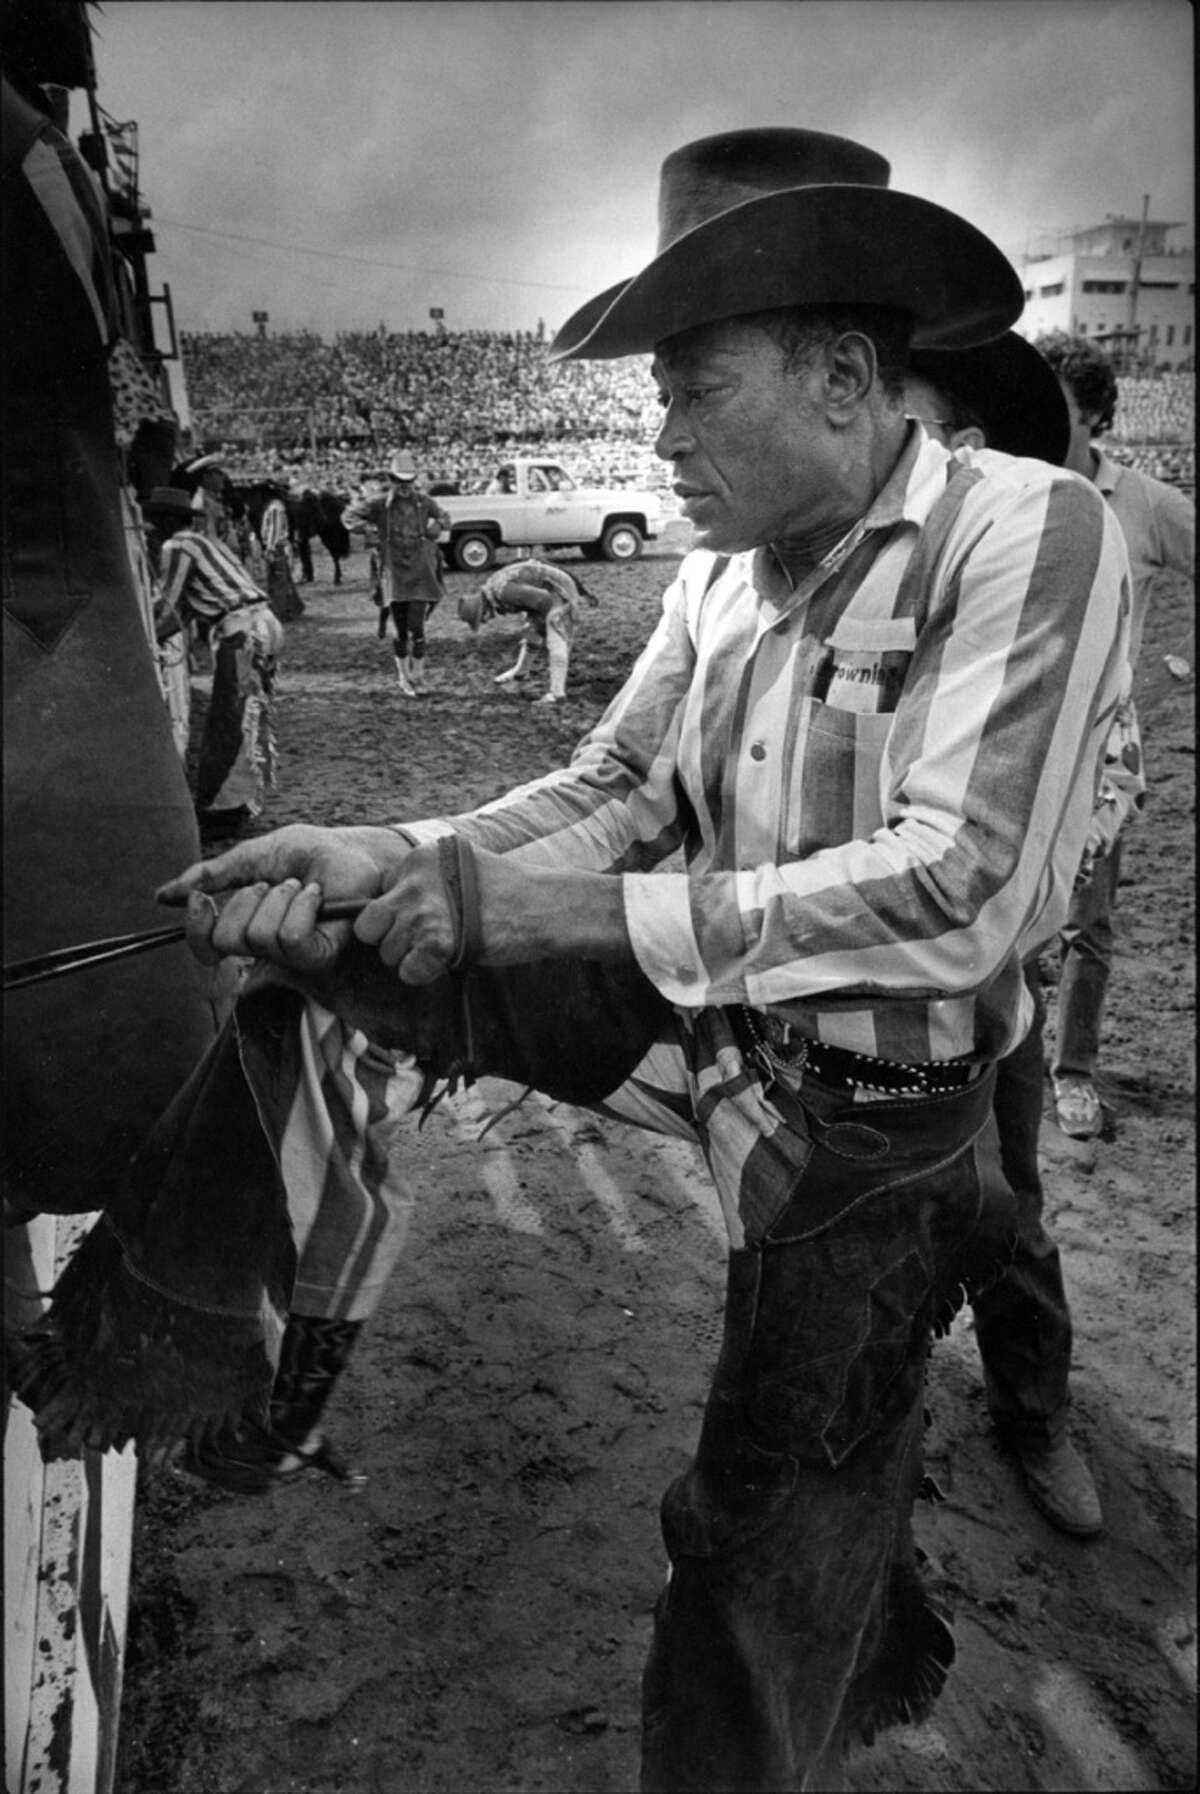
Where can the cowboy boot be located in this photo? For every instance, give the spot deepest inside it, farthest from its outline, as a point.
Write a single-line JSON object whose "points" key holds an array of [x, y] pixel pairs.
{"points": [[416, 676], [250, 1458], [402, 678]]}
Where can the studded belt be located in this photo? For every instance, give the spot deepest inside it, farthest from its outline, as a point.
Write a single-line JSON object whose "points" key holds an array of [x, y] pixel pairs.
{"points": [[779, 1047]]}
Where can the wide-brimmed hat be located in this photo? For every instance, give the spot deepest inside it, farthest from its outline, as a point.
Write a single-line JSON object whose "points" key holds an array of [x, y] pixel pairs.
{"points": [[169, 499], [754, 220], [203, 462], [1011, 388], [402, 466], [475, 608]]}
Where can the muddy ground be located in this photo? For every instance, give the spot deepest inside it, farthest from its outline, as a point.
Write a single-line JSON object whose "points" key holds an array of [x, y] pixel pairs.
{"points": [[476, 1619]]}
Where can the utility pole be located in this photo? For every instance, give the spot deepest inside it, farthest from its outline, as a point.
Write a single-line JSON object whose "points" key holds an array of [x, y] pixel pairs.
{"points": [[1135, 283]]}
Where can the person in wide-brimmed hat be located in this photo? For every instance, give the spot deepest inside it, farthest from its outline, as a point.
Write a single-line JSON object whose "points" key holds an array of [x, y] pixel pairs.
{"points": [[407, 524], [548, 598], [208, 482], [1004, 396], [788, 879], [205, 583], [1000, 395]]}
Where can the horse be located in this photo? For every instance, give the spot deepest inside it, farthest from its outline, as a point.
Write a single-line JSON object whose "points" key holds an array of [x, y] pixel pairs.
{"points": [[97, 814], [247, 505], [319, 513]]}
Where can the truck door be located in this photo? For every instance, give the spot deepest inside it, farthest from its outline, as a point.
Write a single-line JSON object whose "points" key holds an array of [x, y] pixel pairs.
{"points": [[553, 504]]}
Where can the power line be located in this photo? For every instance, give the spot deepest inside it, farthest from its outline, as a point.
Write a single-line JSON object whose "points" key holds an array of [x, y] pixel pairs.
{"points": [[364, 261]]}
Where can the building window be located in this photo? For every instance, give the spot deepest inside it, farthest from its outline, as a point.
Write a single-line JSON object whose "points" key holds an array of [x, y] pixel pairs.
{"points": [[1051, 292], [1170, 335], [1104, 286], [1187, 336], [1153, 338]]}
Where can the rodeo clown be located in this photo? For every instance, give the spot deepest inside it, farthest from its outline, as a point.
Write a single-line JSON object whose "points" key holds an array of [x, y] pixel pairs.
{"points": [[548, 599]]}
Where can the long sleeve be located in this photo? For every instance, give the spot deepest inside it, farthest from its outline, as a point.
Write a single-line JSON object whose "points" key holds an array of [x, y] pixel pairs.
{"points": [[839, 852]]}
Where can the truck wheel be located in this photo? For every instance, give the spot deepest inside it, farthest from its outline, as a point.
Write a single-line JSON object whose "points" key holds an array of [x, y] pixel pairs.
{"points": [[621, 542], [473, 552]]}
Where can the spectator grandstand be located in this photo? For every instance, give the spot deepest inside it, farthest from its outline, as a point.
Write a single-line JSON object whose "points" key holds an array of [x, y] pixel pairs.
{"points": [[1155, 427], [325, 412]]}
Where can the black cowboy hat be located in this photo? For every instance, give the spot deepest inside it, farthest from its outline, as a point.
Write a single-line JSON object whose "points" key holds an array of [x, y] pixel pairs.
{"points": [[1011, 388], [753, 220], [169, 500]]}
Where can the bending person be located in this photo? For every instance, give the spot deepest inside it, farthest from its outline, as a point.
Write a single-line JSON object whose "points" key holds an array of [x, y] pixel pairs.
{"points": [[548, 598]]}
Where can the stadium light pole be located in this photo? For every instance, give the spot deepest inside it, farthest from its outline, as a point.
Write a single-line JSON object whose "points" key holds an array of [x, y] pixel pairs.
{"points": [[1136, 280]]}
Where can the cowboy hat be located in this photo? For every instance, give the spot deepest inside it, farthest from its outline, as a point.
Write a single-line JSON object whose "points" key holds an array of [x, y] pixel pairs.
{"points": [[1011, 388], [402, 466], [202, 462], [475, 608], [169, 498], [755, 220]]}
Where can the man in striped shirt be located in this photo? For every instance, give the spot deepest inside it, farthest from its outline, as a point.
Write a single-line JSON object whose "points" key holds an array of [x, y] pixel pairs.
{"points": [[275, 536], [870, 717], [206, 584]]}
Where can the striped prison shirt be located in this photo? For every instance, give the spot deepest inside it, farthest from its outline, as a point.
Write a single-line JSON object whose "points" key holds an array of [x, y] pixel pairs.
{"points": [[204, 579], [274, 527], [880, 778]]}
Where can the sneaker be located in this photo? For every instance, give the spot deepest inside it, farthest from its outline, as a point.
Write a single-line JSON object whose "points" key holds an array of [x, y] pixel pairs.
{"points": [[549, 697], [507, 678], [1060, 1486], [1077, 1107]]}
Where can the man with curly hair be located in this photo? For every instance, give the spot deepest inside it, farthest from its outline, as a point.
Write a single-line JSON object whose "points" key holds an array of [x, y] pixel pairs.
{"points": [[1159, 526]]}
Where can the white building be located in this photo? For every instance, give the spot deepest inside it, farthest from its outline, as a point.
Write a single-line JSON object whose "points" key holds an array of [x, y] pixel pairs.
{"points": [[1086, 286]]}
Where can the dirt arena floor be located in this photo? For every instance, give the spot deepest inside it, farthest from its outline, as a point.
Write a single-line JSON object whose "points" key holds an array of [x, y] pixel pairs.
{"points": [[477, 1617]]}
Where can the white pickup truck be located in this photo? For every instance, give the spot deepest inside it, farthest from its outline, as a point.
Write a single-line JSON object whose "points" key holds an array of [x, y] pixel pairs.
{"points": [[531, 502]]}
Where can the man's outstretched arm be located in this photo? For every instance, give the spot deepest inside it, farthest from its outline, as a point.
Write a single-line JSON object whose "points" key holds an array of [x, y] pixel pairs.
{"points": [[274, 887]]}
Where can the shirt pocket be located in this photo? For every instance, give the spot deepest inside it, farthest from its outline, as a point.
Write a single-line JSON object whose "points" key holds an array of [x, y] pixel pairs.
{"points": [[863, 664], [836, 796]]}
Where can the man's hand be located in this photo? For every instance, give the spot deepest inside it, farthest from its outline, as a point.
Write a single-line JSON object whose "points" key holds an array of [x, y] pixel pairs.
{"points": [[523, 915], [278, 883], [414, 923]]}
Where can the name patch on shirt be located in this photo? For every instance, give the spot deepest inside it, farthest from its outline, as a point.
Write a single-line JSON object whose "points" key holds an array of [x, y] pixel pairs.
{"points": [[864, 663]]}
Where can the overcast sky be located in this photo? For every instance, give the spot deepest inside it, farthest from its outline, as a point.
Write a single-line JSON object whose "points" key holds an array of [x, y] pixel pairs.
{"points": [[342, 164]]}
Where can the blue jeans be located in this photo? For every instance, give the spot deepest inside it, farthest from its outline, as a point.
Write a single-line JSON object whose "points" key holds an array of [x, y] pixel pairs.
{"points": [[1087, 954], [1022, 1322]]}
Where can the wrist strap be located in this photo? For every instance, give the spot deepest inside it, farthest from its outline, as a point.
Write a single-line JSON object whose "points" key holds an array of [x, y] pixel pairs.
{"points": [[456, 863]]}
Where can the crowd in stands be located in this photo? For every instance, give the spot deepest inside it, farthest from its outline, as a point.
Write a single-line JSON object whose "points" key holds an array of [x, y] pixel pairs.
{"points": [[463, 400], [1155, 427]]}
